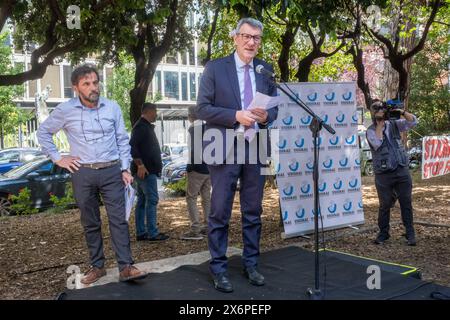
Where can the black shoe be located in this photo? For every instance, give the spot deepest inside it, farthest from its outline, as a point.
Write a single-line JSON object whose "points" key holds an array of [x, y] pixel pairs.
{"points": [[254, 277], [411, 240], [381, 239], [142, 237], [159, 237], [222, 283]]}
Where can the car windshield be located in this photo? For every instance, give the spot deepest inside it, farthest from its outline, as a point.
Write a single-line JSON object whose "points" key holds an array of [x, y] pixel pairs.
{"points": [[17, 172]]}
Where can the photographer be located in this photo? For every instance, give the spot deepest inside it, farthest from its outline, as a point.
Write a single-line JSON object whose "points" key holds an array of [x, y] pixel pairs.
{"points": [[390, 164]]}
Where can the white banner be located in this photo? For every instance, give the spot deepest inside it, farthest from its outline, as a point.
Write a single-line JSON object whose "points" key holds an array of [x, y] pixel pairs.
{"points": [[339, 160], [435, 156]]}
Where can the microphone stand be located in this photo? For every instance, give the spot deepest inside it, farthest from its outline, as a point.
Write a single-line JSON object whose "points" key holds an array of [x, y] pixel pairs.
{"points": [[316, 125]]}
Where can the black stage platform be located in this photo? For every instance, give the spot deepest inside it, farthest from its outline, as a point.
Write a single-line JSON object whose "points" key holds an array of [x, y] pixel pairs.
{"points": [[289, 272]]}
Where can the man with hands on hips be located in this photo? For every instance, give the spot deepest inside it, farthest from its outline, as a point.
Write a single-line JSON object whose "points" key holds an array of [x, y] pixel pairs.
{"points": [[99, 161]]}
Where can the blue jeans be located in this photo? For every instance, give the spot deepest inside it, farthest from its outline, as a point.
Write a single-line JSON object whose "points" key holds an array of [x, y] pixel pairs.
{"points": [[147, 193]]}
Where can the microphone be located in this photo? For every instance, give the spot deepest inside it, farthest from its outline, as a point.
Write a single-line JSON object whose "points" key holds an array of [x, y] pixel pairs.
{"points": [[260, 69]]}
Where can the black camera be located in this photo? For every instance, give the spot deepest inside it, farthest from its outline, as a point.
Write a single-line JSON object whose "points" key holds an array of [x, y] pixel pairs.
{"points": [[392, 108]]}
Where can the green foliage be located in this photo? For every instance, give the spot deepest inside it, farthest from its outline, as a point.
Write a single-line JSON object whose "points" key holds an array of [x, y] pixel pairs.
{"points": [[331, 68], [119, 86], [177, 188], [22, 204], [10, 115], [122, 82], [63, 203], [430, 92]]}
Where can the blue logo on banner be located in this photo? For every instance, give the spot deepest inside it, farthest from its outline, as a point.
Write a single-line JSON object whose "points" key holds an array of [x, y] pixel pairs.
{"points": [[340, 117], [325, 118], [347, 205], [288, 190], [299, 143], [355, 117], [332, 208], [360, 204], [338, 184], [306, 188], [314, 213], [287, 120], [285, 216], [282, 144], [306, 120], [343, 162], [312, 97], [334, 140], [322, 186], [347, 96], [294, 166], [330, 96], [328, 163], [310, 165], [300, 213], [358, 162], [353, 183], [350, 140]]}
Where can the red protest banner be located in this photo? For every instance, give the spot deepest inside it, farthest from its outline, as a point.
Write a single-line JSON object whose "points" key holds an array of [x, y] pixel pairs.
{"points": [[435, 156]]}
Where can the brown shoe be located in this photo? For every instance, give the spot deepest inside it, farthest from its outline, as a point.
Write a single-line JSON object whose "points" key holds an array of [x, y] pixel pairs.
{"points": [[93, 274], [130, 273]]}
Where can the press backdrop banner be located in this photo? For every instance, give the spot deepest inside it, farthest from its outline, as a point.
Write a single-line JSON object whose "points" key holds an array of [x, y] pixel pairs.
{"points": [[339, 161]]}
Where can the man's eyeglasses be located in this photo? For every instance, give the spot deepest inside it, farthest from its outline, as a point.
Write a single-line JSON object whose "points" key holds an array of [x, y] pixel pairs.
{"points": [[247, 37], [95, 120]]}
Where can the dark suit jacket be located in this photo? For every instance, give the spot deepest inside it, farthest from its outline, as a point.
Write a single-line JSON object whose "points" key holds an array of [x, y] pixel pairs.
{"points": [[219, 96]]}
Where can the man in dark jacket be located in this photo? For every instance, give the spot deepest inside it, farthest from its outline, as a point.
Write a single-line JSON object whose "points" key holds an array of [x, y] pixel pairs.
{"points": [[146, 168]]}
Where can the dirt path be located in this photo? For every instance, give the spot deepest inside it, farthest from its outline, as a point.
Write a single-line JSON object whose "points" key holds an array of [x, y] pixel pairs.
{"points": [[35, 251]]}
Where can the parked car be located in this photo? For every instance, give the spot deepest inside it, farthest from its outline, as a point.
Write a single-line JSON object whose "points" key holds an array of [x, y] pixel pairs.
{"points": [[14, 157], [171, 151], [175, 170], [41, 176]]}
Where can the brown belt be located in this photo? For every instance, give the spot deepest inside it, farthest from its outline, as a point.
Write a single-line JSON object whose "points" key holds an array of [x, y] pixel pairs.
{"points": [[100, 165]]}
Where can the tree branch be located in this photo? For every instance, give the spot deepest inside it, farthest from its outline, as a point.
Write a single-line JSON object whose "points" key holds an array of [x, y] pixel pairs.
{"points": [[421, 43]]}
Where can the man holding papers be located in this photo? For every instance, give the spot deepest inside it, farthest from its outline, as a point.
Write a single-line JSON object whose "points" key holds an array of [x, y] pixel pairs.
{"points": [[226, 90]]}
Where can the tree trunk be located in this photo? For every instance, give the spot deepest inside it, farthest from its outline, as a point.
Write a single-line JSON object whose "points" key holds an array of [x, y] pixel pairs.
{"points": [[287, 39], [211, 36], [357, 55], [304, 66]]}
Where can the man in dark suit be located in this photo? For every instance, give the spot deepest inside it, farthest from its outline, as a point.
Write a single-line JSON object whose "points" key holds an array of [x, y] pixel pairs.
{"points": [[227, 87]]}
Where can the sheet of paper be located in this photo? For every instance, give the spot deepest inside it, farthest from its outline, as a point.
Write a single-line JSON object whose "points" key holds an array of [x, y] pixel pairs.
{"points": [[130, 196], [265, 101]]}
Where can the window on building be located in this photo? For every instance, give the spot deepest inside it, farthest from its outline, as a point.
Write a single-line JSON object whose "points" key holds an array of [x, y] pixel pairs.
{"points": [[172, 58], [171, 88], [184, 89], [32, 86], [67, 72], [51, 78], [193, 85], [184, 58], [157, 79], [192, 56]]}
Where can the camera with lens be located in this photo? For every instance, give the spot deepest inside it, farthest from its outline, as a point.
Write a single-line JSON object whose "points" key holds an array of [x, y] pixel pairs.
{"points": [[392, 108]]}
